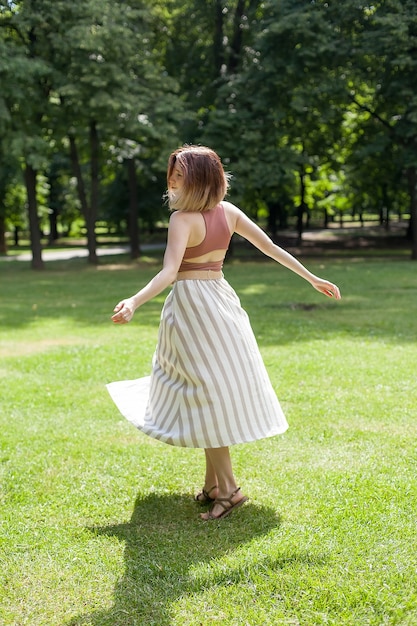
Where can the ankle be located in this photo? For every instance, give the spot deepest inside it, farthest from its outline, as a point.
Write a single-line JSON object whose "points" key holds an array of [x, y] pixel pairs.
{"points": [[229, 491]]}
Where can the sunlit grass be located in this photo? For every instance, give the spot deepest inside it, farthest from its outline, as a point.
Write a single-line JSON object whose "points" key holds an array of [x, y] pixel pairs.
{"points": [[98, 525]]}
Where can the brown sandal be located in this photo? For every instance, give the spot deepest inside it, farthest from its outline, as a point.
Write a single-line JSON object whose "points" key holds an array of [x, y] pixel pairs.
{"points": [[227, 509], [203, 497]]}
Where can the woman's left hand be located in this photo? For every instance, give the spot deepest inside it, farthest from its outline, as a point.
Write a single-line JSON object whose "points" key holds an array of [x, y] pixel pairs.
{"points": [[327, 288], [123, 312]]}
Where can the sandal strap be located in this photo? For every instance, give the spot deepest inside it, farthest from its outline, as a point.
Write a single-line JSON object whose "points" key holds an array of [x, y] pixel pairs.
{"points": [[207, 493], [203, 496], [226, 509], [228, 500]]}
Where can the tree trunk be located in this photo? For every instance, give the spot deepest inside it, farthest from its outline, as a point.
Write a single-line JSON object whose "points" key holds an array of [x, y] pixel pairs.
{"points": [[54, 204], [92, 216], [277, 217], [35, 233], [273, 212], [385, 207], [76, 167], [412, 185], [53, 226], [133, 209], [301, 208], [3, 244]]}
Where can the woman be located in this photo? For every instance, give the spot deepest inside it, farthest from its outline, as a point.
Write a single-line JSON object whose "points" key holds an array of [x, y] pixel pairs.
{"points": [[209, 387]]}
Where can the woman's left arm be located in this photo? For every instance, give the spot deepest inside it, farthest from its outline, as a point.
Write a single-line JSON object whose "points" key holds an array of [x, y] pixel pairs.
{"points": [[178, 234]]}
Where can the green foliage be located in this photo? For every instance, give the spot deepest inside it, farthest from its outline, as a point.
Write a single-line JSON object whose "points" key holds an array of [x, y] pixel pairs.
{"points": [[78, 64], [304, 101], [319, 87]]}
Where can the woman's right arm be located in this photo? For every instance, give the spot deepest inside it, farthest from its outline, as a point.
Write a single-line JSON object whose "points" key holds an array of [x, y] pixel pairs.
{"points": [[178, 234]]}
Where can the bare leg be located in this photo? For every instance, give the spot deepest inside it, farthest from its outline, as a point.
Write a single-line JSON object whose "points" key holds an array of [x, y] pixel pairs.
{"points": [[210, 489], [219, 464], [211, 476]]}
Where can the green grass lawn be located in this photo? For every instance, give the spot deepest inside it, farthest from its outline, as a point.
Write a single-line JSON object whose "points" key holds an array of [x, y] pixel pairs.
{"points": [[98, 525]]}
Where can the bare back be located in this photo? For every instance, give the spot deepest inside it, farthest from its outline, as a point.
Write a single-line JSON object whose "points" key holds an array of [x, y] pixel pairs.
{"points": [[198, 235]]}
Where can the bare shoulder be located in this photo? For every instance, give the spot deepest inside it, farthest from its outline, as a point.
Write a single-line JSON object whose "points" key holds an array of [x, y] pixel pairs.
{"points": [[230, 208], [179, 226], [185, 217], [177, 217], [232, 213], [181, 220]]}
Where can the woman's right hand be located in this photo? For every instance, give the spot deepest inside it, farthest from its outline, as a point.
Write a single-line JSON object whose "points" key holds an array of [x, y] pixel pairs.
{"points": [[123, 311]]}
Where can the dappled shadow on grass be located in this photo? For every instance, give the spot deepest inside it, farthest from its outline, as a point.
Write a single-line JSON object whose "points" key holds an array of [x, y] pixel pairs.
{"points": [[164, 542], [378, 300], [84, 296]]}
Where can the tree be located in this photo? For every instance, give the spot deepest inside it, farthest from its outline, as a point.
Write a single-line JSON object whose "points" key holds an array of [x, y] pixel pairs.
{"points": [[202, 45], [385, 63], [95, 80], [106, 88], [25, 92], [352, 58]]}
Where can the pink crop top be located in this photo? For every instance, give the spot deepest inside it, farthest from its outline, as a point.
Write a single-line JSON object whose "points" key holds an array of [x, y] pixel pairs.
{"points": [[217, 237]]}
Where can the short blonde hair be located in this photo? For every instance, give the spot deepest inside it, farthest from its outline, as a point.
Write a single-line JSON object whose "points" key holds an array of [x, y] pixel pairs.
{"points": [[205, 182]]}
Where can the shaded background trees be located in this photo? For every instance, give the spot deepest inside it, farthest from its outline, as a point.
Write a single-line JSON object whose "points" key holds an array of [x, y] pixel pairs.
{"points": [[312, 106]]}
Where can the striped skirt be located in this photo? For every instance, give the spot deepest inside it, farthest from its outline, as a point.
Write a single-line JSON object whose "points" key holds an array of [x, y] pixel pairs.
{"points": [[208, 387]]}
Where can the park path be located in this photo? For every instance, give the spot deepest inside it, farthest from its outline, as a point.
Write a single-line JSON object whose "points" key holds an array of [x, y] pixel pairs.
{"points": [[73, 253]]}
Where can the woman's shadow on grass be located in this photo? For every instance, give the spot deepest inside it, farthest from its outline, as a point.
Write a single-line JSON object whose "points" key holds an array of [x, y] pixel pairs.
{"points": [[163, 541]]}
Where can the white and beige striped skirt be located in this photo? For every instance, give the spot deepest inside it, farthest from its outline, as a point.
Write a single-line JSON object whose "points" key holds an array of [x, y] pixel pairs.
{"points": [[208, 387]]}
